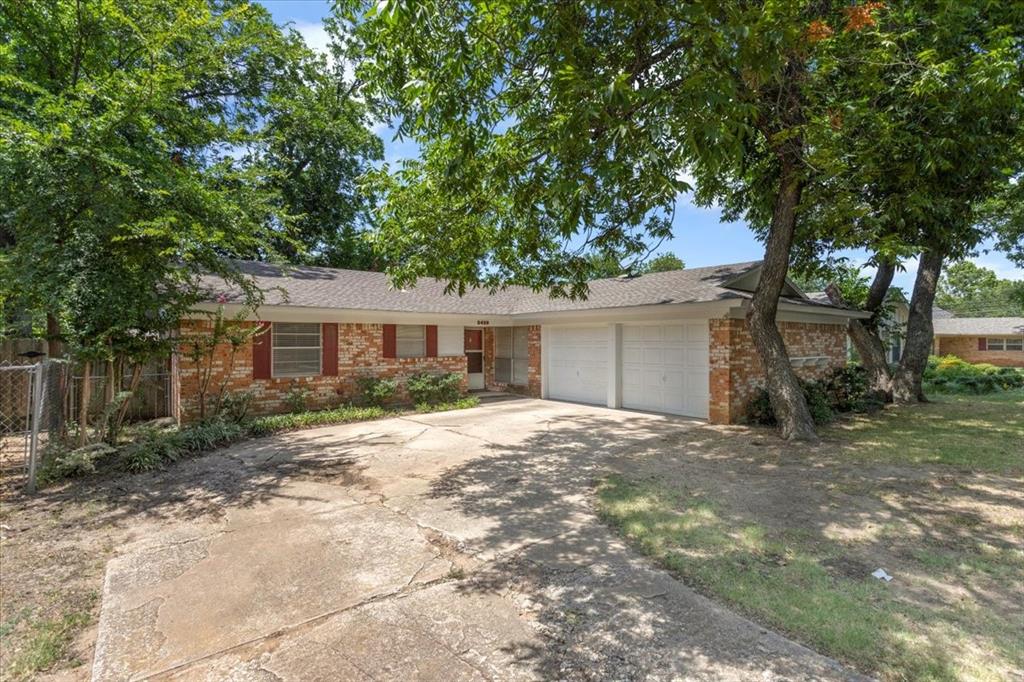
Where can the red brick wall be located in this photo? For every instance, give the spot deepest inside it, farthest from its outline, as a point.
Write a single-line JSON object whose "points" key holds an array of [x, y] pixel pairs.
{"points": [[360, 353], [736, 370], [966, 348], [532, 387]]}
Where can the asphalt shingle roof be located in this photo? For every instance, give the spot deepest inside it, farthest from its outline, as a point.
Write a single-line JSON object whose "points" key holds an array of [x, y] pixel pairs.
{"points": [[308, 286], [979, 326]]}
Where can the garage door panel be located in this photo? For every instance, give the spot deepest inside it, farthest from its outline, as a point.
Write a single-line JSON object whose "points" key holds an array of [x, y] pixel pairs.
{"points": [[578, 364], [665, 368]]}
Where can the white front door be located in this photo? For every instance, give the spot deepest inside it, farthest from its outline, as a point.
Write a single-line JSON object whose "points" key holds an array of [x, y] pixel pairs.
{"points": [[665, 368], [578, 364]]}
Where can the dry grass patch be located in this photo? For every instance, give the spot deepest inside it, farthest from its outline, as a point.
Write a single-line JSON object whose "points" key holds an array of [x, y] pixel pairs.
{"points": [[790, 535]]}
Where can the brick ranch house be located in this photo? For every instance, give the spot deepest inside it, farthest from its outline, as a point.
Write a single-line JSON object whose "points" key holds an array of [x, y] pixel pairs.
{"points": [[672, 342], [994, 340]]}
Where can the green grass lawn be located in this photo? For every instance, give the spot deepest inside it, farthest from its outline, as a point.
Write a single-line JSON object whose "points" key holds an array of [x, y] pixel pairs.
{"points": [[980, 433], [789, 535]]}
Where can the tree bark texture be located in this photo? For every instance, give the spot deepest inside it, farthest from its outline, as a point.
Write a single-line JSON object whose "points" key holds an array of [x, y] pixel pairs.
{"points": [[84, 396], [865, 334], [784, 391], [907, 379]]}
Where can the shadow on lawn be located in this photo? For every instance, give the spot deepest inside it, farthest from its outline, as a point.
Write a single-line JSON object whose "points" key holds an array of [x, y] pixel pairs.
{"points": [[847, 516], [610, 614], [606, 613]]}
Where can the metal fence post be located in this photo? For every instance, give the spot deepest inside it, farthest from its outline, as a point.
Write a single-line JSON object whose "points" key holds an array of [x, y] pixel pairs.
{"points": [[38, 396]]}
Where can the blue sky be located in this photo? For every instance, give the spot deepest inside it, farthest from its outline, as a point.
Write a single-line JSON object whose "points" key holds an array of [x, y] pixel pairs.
{"points": [[700, 237]]}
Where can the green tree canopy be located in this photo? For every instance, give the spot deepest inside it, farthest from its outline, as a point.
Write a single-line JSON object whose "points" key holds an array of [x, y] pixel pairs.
{"points": [[664, 263], [968, 290], [141, 145]]}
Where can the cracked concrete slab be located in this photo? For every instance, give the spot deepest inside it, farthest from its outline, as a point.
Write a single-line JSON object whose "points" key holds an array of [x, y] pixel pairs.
{"points": [[458, 545]]}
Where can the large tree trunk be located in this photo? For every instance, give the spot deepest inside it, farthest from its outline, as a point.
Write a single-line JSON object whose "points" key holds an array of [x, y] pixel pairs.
{"points": [[84, 395], [907, 380], [56, 376], [866, 335], [787, 397]]}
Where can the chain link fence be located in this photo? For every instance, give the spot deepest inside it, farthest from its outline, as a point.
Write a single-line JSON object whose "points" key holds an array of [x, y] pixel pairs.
{"points": [[39, 402]]}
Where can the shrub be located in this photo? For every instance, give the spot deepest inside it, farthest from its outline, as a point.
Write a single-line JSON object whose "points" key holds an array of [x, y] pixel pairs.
{"points": [[376, 391], [60, 462], [235, 406], [432, 389], [847, 390], [297, 398], [759, 409], [951, 374], [817, 402], [151, 448]]}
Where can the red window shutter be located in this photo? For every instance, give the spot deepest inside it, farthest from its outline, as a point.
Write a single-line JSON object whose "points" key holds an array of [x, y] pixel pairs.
{"points": [[982, 343], [390, 341], [329, 349], [261, 353], [431, 340]]}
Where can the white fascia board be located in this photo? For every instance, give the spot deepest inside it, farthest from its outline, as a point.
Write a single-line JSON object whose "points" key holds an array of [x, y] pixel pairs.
{"points": [[664, 311], [790, 312], [285, 313]]}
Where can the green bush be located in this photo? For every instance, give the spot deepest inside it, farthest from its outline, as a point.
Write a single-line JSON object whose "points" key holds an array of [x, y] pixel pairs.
{"points": [[950, 374], [235, 406], [759, 409], [845, 389], [376, 391], [431, 389], [297, 397], [60, 462]]}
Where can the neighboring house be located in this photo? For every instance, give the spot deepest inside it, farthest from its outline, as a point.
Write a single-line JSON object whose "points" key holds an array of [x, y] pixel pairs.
{"points": [[995, 340], [674, 342]]}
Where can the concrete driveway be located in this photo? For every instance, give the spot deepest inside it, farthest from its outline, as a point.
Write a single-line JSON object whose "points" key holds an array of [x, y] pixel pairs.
{"points": [[450, 546]]}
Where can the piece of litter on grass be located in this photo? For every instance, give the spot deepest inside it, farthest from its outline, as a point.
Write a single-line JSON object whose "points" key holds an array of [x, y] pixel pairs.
{"points": [[881, 575]]}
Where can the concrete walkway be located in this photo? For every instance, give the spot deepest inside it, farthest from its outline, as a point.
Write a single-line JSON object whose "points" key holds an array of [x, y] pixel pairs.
{"points": [[458, 545]]}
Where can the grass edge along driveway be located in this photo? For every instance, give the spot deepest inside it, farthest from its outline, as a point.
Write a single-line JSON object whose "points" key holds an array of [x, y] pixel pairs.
{"points": [[932, 493]]}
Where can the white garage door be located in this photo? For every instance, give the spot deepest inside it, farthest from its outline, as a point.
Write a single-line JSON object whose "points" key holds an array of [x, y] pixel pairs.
{"points": [[578, 364], [665, 368]]}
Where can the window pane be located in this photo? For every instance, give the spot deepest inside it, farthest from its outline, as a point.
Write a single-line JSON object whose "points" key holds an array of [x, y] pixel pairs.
{"points": [[1014, 344], [503, 370], [296, 361], [410, 348], [503, 342], [410, 331], [519, 371], [520, 343], [994, 344], [295, 349], [411, 340], [296, 333]]}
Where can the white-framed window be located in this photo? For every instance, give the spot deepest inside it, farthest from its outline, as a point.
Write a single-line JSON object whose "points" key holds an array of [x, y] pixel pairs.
{"points": [[1005, 344], [410, 340], [296, 349], [511, 355]]}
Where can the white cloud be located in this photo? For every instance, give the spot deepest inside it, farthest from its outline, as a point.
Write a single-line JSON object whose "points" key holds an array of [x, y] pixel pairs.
{"points": [[1003, 268], [315, 35]]}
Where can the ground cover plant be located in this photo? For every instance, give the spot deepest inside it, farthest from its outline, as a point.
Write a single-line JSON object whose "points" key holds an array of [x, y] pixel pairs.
{"points": [[150, 446]]}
